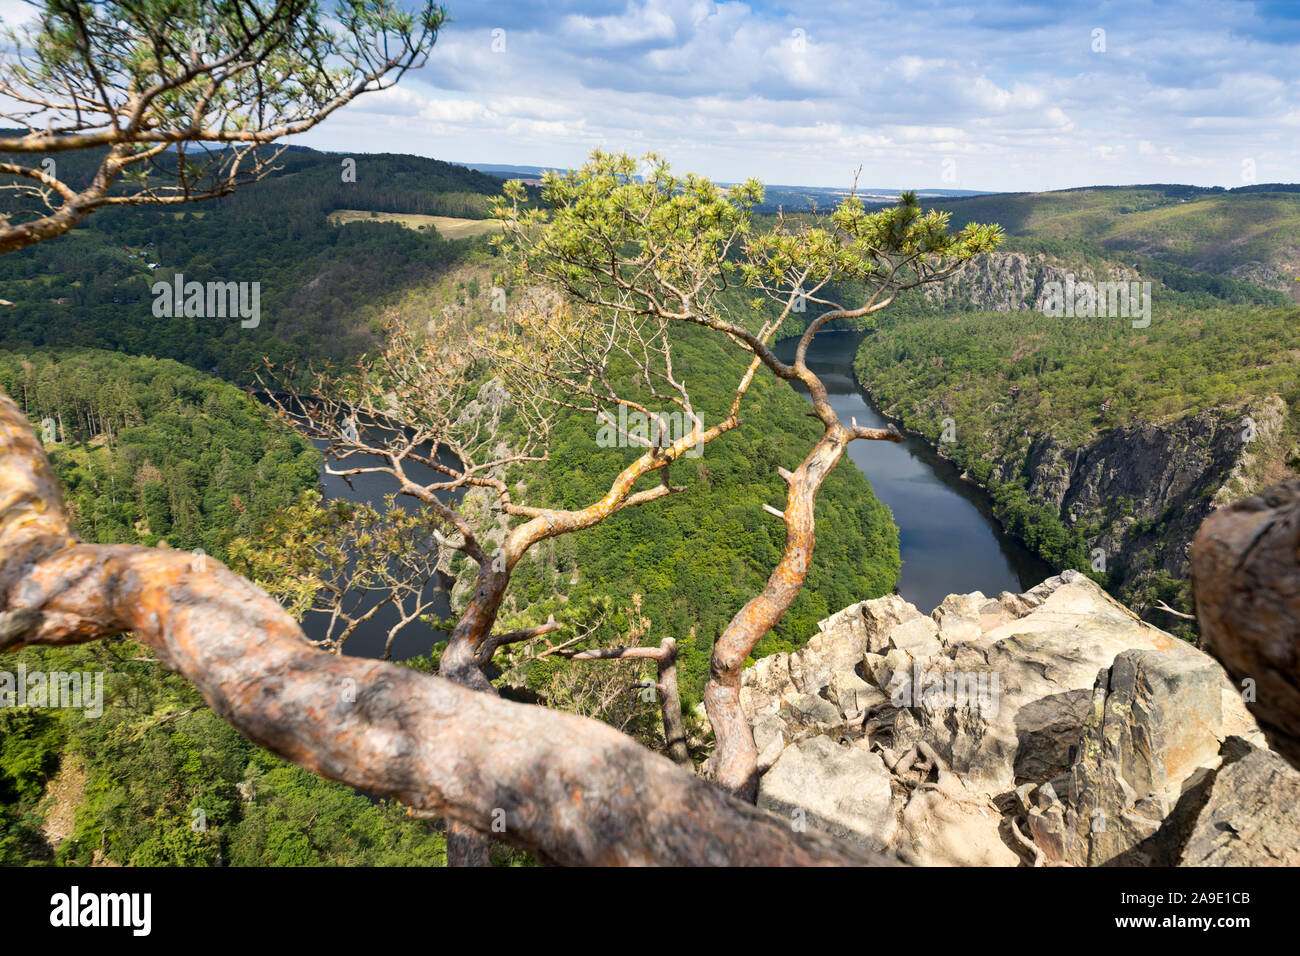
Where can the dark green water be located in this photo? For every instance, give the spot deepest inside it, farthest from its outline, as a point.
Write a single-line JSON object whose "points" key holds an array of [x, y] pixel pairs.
{"points": [[949, 539]]}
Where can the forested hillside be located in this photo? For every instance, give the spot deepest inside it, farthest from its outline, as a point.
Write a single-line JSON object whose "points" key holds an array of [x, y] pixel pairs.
{"points": [[148, 449], [151, 452], [1103, 446], [1251, 233], [693, 560], [160, 780], [321, 284]]}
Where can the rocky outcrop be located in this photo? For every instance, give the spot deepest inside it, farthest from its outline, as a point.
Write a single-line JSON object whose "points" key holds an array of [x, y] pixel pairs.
{"points": [[1250, 816], [1246, 569], [1149, 486], [838, 647], [1154, 732], [1047, 728], [844, 791], [1013, 281], [1278, 275]]}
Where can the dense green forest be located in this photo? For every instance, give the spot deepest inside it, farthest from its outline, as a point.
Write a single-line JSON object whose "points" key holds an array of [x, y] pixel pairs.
{"points": [[696, 558], [151, 451], [322, 286], [161, 780], [1186, 361]]}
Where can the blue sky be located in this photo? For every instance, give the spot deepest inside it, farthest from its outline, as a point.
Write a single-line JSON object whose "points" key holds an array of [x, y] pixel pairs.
{"points": [[979, 95], [1036, 94]]}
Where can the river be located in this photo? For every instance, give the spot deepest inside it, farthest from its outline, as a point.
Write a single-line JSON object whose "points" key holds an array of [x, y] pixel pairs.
{"points": [[949, 540], [417, 638], [948, 537]]}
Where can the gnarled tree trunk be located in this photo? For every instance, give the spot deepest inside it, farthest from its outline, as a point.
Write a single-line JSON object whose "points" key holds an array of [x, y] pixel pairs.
{"points": [[568, 789], [734, 763], [459, 663]]}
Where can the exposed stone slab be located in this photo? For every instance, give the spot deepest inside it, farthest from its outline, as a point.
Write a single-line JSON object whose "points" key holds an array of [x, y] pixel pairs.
{"points": [[840, 789], [1156, 720], [1109, 740], [919, 637]]}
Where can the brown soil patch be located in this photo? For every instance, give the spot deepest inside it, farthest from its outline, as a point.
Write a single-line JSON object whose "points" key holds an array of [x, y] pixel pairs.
{"points": [[62, 797]]}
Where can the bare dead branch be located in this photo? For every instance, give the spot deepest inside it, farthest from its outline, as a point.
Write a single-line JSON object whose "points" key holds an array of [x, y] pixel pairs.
{"points": [[1161, 605]]}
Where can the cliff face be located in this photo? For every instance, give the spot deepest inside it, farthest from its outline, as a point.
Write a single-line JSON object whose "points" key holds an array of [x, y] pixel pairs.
{"points": [[1141, 490], [1050, 727], [1012, 281], [1147, 487]]}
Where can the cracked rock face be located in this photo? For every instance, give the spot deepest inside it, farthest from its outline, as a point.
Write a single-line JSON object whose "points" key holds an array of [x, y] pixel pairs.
{"points": [[1154, 730], [1050, 727], [1014, 281], [1250, 817], [1144, 488]]}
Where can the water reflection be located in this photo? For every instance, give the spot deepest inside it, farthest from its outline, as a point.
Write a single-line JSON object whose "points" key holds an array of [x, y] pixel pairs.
{"points": [[949, 540]]}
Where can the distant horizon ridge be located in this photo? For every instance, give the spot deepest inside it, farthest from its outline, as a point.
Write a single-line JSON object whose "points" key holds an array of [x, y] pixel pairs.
{"points": [[937, 190]]}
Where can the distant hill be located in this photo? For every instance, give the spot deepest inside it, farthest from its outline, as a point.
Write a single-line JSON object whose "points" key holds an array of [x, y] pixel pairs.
{"points": [[323, 284], [511, 172], [788, 198], [1251, 233]]}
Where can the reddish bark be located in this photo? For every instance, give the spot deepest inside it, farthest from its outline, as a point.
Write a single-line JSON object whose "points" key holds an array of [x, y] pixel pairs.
{"points": [[468, 650], [568, 789], [735, 759], [734, 764]]}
